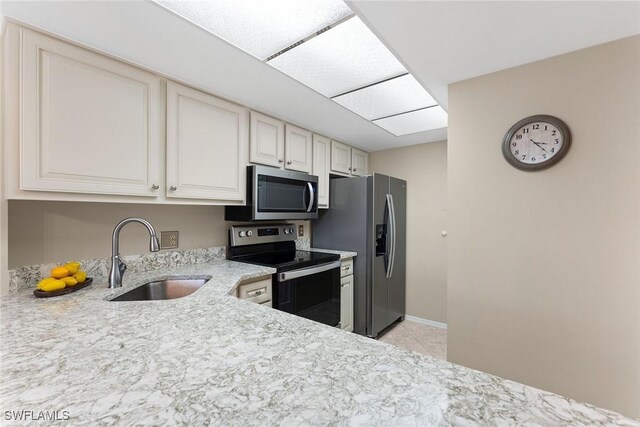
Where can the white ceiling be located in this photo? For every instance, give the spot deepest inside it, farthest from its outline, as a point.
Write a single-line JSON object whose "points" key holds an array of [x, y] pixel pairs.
{"points": [[439, 42]]}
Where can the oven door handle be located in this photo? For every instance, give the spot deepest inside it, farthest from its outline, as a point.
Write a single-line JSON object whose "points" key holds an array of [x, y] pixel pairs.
{"points": [[289, 275]]}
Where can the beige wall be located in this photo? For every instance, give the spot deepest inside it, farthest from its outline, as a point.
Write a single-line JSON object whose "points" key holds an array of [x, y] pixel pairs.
{"points": [[4, 258], [424, 167], [41, 232], [544, 267]]}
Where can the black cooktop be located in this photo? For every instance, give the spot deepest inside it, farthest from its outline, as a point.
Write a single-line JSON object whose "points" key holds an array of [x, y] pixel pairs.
{"points": [[288, 260]]}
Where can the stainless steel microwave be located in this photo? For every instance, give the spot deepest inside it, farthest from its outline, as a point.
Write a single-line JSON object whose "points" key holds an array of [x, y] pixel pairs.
{"points": [[276, 194]]}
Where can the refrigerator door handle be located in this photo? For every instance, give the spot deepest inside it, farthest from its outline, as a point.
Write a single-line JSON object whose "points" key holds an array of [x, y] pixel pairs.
{"points": [[392, 231], [312, 197]]}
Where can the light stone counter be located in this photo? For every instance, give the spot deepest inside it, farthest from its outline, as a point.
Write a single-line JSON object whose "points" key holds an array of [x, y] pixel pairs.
{"points": [[343, 254], [210, 358]]}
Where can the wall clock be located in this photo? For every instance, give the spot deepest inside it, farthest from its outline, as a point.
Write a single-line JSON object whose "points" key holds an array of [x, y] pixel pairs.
{"points": [[536, 142]]}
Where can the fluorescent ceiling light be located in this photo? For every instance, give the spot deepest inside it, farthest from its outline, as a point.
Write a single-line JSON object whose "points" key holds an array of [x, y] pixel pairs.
{"points": [[346, 57], [260, 27], [415, 121], [394, 96], [323, 45]]}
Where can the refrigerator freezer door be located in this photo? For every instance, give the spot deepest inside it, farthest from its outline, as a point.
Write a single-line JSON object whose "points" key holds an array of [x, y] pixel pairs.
{"points": [[396, 283]]}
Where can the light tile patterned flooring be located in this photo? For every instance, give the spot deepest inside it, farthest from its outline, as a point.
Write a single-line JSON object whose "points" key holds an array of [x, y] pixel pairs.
{"points": [[417, 337]]}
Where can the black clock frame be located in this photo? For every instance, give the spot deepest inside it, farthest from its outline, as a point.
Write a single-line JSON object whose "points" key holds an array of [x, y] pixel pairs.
{"points": [[562, 127]]}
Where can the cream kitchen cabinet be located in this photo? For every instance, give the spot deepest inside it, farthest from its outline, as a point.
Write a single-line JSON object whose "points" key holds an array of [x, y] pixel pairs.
{"points": [[267, 140], [88, 123], [340, 158], [350, 161], [274, 143], [298, 149], [257, 291], [321, 167], [206, 146], [359, 162], [346, 295]]}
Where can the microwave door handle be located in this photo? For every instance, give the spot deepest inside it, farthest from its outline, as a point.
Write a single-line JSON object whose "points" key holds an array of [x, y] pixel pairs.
{"points": [[312, 197]]}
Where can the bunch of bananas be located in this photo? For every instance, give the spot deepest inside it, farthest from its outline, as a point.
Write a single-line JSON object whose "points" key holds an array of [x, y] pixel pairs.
{"points": [[63, 276]]}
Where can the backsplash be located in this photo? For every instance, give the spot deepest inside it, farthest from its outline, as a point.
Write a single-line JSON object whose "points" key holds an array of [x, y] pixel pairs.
{"points": [[303, 243], [28, 276]]}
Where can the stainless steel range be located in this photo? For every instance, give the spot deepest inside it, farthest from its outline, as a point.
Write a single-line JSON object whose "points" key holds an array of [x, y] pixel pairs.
{"points": [[306, 284]]}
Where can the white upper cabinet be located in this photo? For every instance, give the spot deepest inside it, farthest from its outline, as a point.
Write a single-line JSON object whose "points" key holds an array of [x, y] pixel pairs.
{"points": [[340, 158], [266, 145], [206, 146], [88, 124], [298, 149], [359, 162], [321, 166]]}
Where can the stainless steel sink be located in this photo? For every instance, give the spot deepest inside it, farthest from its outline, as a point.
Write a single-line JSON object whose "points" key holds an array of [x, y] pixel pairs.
{"points": [[164, 289]]}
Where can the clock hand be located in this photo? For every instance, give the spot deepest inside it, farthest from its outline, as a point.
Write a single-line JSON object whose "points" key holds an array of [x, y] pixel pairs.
{"points": [[545, 143], [538, 144]]}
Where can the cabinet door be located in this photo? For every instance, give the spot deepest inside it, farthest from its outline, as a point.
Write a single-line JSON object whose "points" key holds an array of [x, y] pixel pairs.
{"points": [[89, 124], [266, 145], [297, 149], [206, 146], [346, 303], [340, 158], [359, 162], [321, 165]]}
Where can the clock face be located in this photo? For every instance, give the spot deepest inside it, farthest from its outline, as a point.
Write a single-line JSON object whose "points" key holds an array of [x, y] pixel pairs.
{"points": [[536, 142]]}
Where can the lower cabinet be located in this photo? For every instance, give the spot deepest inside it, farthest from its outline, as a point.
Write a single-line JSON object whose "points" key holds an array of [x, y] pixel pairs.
{"points": [[258, 291], [346, 295]]}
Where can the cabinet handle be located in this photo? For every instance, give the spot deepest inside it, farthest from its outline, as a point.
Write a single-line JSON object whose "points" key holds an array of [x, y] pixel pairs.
{"points": [[288, 162], [155, 186], [349, 168], [173, 188], [280, 160], [354, 169]]}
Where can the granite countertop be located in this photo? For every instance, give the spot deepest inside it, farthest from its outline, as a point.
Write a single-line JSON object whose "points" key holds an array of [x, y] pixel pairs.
{"points": [[343, 254], [210, 358]]}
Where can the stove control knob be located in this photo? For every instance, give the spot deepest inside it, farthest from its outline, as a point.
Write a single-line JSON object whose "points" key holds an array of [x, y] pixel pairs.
{"points": [[291, 231], [287, 231], [249, 233], [241, 234]]}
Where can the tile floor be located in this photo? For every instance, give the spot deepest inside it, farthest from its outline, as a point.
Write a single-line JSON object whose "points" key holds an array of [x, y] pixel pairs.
{"points": [[417, 337]]}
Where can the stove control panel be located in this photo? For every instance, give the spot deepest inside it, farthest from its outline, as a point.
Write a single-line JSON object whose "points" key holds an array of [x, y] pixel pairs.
{"points": [[240, 235]]}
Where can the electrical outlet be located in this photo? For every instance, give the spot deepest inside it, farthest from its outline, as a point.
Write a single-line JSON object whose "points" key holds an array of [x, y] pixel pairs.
{"points": [[168, 239], [300, 230]]}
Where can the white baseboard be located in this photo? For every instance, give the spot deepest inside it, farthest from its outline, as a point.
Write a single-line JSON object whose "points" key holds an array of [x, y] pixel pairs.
{"points": [[426, 321]]}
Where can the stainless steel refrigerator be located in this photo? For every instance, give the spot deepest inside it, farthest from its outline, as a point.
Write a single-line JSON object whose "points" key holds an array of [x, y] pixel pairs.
{"points": [[368, 215]]}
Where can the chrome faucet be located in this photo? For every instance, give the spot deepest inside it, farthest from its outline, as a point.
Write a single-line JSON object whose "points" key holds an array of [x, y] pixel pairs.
{"points": [[117, 266]]}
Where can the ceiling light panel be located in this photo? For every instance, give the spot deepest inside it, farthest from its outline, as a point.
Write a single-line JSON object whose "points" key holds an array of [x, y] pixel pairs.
{"points": [[390, 97], [415, 121], [347, 57], [260, 27]]}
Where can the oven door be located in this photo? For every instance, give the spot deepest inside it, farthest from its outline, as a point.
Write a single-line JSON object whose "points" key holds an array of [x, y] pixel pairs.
{"points": [[282, 194], [312, 293]]}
